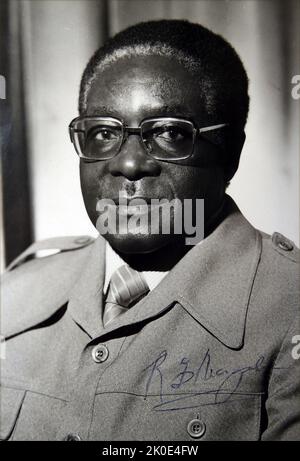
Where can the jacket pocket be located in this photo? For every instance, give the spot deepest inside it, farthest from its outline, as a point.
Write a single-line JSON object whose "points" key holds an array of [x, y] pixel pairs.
{"points": [[176, 417], [229, 418], [11, 400]]}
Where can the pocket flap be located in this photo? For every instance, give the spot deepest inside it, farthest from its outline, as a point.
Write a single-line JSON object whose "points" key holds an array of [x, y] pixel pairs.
{"points": [[10, 405]]}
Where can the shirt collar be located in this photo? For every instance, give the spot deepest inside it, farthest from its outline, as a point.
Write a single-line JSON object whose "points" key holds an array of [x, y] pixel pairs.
{"points": [[113, 261]]}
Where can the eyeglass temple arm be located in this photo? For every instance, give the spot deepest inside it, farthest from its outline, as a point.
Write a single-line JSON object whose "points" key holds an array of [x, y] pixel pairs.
{"points": [[213, 127], [131, 130]]}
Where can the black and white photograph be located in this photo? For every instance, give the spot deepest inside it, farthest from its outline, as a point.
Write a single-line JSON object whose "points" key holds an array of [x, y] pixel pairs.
{"points": [[149, 223]]}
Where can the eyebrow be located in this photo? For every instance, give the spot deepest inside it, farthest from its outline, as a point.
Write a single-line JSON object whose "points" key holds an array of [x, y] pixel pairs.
{"points": [[102, 110], [175, 110]]}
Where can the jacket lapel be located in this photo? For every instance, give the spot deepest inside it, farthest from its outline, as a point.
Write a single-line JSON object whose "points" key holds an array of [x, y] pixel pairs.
{"points": [[86, 299], [224, 269]]}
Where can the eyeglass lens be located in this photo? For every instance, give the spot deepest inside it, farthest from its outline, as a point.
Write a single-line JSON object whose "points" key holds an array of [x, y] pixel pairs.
{"points": [[168, 139], [163, 139]]}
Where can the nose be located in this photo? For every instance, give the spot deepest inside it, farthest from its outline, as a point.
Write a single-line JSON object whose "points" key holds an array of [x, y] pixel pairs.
{"points": [[133, 162]]}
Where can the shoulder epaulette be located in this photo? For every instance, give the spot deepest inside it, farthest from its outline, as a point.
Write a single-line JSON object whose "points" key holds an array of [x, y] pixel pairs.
{"points": [[50, 247], [285, 247]]}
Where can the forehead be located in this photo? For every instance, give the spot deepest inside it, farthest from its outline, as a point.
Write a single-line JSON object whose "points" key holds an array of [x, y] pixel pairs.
{"points": [[137, 87]]}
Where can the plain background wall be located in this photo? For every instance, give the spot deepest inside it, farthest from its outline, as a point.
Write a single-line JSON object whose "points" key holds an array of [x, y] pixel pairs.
{"points": [[61, 35]]}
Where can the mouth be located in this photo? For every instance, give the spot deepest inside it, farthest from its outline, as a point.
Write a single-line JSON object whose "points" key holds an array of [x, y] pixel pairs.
{"points": [[130, 206], [138, 200]]}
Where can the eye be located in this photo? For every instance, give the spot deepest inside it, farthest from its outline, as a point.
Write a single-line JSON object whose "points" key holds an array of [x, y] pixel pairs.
{"points": [[170, 134], [105, 135]]}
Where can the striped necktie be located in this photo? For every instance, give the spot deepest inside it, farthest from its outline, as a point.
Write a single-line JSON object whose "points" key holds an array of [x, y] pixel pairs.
{"points": [[126, 287]]}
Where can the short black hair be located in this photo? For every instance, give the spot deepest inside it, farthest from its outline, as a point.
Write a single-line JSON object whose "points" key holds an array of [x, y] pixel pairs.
{"points": [[221, 74]]}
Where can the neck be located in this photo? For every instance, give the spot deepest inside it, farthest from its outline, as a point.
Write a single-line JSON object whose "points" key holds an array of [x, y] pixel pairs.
{"points": [[161, 260]]}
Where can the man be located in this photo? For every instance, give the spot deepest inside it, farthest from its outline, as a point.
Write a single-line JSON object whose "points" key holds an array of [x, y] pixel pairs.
{"points": [[143, 335]]}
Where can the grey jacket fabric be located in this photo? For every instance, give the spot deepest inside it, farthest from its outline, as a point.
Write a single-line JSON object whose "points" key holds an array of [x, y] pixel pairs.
{"points": [[214, 342]]}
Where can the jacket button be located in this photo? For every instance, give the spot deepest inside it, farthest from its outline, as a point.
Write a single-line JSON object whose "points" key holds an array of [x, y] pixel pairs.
{"points": [[72, 438], [100, 353], [196, 428], [285, 245]]}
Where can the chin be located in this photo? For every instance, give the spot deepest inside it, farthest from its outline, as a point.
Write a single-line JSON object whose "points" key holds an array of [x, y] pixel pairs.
{"points": [[137, 243]]}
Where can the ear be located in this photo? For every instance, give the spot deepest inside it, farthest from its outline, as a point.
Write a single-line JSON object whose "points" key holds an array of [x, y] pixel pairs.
{"points": [[235, 146]]}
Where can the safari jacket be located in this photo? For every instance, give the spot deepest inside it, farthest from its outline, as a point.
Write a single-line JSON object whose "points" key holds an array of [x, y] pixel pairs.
{"points": [[212, 353]]}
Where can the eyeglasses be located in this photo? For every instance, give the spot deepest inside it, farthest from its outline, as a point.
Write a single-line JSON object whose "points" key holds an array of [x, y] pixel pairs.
{"points": [[164, 138]]}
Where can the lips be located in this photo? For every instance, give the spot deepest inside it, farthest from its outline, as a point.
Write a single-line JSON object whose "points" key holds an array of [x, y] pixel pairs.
{"points": [[129, 206], [138, 200], [131, 210]]}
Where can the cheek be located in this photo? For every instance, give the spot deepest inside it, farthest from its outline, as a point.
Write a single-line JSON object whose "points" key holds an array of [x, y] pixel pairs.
{"points": [[89, 180], [207, 184], [199, 182]]}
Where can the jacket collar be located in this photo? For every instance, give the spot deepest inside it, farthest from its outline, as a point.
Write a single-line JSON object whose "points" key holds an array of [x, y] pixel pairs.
{"points": [[86, 296], [212, 282], [224, 268]]}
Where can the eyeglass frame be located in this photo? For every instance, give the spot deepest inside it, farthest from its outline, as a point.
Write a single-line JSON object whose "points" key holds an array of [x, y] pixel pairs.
{"points": [[127, 130]]}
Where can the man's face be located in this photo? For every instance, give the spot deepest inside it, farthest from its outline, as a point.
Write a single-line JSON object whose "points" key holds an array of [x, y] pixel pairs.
{"points": [[133, 89]]}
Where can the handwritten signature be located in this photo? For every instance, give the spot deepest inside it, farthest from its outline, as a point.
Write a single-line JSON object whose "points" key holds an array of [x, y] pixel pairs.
{"points": [[228, 386]]}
